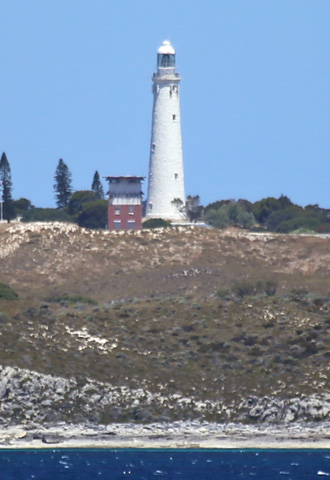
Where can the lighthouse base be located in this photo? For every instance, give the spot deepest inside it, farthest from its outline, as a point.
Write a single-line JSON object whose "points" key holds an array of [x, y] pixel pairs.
{"points": [[181, 218]]}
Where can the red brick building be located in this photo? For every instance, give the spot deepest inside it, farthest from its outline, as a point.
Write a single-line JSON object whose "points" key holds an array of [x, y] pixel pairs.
{"points": [[125, 203]]}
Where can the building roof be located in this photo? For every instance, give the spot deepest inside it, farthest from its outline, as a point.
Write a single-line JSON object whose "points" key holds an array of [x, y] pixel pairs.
{"points": [[122, 177], [166, 48]]}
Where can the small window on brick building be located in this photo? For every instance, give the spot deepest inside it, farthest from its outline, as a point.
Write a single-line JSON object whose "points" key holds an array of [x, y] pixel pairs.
{"points": [[117, 224], [131, 210], [131, 224], [117, 210]]}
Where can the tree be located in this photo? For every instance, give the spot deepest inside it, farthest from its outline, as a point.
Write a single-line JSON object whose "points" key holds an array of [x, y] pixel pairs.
{"points": [[265, 207], [21, 205], [94, 215], [218, 217], [6, 184], [97, 186], [195, 211], [78, 200], [62, 185], [232, 213], [46, 215]]}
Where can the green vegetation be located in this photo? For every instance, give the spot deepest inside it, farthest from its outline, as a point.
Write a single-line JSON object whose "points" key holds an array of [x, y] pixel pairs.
{"points": [[94, 215], [62, 185], [246, 288], [7, 293], [225, 213], [161, 327], [21, 206], [89, 209], [6, 188], [79, 200], [208, 351], [195, 210], [71, 299], [156, 223], [83, 208], [269, 214], [97, 186], [46, 215]]}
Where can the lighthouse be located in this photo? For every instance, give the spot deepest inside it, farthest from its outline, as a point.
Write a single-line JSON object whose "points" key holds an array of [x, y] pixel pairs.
{"points": [[166, 192]]}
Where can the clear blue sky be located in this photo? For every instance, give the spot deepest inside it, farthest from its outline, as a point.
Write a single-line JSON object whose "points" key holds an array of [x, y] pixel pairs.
{"points": [[75, 84]]}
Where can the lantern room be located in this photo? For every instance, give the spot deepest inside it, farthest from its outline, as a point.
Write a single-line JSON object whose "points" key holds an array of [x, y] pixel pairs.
{"points": [[166, 56]]}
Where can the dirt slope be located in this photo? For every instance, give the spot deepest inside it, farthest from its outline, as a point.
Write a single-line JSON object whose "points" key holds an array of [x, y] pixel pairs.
{"points": [[44, 259], [167, 336]]}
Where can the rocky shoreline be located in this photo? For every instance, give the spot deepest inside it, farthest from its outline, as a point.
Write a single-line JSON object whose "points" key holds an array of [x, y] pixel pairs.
{"points": [[167, 435], [28, 397]]}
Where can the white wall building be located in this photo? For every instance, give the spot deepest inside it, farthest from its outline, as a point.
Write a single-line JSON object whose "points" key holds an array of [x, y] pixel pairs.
{"points": [[166, 193]]}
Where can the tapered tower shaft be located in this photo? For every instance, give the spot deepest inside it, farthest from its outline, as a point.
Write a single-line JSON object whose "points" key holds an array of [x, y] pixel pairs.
{"points": [[166, 193]]}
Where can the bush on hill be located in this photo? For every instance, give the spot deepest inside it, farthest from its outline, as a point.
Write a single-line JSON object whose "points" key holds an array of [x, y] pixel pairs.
{"points": [[21, 205], [7, 293], [46, 215], [247, 288], [229, 212], [269, 214], [71, 299], [94, 215], [156, 223], [79, 199]]}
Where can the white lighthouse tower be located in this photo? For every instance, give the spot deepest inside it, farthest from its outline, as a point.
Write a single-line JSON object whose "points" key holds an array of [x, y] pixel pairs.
{"points": [[166, 193]]}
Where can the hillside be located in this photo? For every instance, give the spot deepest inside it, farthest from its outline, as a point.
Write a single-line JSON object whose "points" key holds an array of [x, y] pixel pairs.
{"points": [[151, 325]]}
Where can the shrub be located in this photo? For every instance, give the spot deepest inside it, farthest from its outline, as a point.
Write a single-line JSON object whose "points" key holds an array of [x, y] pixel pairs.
{"points": [[94, 215], [71, 299], [265, 207], [7, 293], [46, 215], [271, 287], [21, 205], [223, 293], [156, 223], [230, 213], [79, 199], [324, 228], [243, 289]]}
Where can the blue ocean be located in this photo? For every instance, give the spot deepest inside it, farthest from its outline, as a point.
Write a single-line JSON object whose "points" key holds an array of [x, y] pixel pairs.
{"points": [[168, 464]]}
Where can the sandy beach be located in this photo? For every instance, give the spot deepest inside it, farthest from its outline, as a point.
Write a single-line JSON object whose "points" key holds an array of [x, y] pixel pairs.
{"points": [[165, 436]]}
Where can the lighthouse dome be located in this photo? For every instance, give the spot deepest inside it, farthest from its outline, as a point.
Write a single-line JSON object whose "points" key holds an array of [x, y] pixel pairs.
{"points": [[166, 56], [166, 48]]}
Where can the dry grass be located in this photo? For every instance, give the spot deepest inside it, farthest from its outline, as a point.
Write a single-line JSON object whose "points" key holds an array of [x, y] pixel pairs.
{"points": [[158, 322], [39, 260]]}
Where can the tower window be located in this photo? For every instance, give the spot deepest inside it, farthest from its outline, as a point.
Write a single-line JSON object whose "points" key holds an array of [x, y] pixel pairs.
{"points": [[176, 176], [174, 117]]}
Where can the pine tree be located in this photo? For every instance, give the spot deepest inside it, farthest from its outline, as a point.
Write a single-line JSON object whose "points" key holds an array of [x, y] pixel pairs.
{"points": [[62, 185], [6, 187], [97, 185]]}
